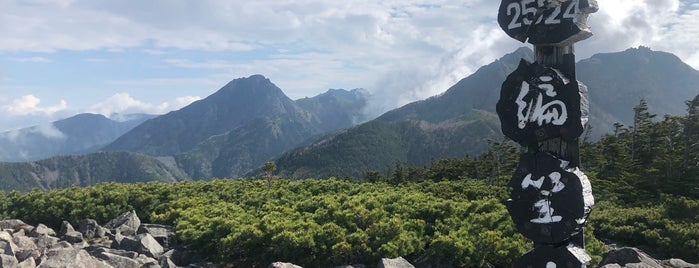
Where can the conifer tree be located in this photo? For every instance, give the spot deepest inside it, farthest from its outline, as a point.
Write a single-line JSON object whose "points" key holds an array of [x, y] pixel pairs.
{"points": [[642, 134], [691, 154]]}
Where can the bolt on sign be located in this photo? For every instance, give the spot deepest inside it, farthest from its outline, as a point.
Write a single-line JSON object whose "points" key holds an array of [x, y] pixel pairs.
{"points": [[546, 22]]}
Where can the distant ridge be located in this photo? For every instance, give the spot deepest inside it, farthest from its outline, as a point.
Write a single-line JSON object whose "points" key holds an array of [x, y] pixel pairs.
{"points": [[84, 170], [460, 121], [618, 81], [454, 124], [249, 121], [239, 102], [80, 134], [337, 108]]}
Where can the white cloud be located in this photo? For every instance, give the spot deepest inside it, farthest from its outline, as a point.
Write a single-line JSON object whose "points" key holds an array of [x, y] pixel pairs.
{"points": [[402, 50], [32, 59], [29, 105], [154, 52], [120, 103], [177, 104], [184, 101], [123, 103], [48, 130], [667, 25]]}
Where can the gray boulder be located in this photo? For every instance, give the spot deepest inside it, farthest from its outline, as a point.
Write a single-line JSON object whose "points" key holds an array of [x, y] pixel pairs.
{"points": [[44, 243], [28, 263], [147, 262], [13, 224], [5, 235], [181, 257], [283, 265], [351, 266], [90, 229], [125, 224], [399, 262], [73, 237], [26, 248], [628, 257], [42, 230], [20, 232], [118, 260], [71, 258], [65, 228], [164, 234], [116, 242], [97, 251], [61, 245], [677, 263], [8, 247], [8, 261], [143, 244], [166, 262]]}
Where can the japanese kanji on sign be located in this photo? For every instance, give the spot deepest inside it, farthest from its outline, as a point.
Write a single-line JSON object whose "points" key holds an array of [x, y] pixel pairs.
{"points": [[544, 108]]}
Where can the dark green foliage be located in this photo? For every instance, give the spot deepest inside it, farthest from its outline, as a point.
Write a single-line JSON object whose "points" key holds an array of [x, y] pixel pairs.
{"points": [[377, 144], [668, 229], [648, 182], [450, 211], [643, 162], [312, 223]]}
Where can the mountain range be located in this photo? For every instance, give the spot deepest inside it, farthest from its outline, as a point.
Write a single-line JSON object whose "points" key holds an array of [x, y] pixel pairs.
{"points": [[80, 134], [250, 121], [459, 121]]}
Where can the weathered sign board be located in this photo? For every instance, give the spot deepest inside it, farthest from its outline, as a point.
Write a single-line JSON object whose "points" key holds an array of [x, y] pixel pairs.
{"points": [[550, 201], [546, 22], [541, 106], [538, 103]]}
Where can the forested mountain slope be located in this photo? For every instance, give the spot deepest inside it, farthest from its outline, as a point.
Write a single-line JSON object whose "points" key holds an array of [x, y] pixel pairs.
{"points": [[460, 121], [84, 170]]}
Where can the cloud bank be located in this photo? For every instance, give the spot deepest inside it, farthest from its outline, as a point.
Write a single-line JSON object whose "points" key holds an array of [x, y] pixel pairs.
{"points": [[123, 103], [401, 50]]}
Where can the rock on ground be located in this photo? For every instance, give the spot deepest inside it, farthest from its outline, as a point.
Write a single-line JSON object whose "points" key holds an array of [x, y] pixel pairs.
{"points": [[634, 258], [283, 265], [399, 262]]}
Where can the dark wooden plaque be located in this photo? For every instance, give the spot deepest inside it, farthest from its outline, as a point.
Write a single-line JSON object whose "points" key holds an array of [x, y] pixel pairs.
{"points": [[549, 202], [537, 103], [546, 22]]}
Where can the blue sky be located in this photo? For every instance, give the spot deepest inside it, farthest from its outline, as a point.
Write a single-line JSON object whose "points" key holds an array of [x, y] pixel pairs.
{"points": [[62, 57]]}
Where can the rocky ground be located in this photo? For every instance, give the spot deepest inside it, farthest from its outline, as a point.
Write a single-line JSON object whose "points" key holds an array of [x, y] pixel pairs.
{"points": [[125, 242], [122, 242], [633, 257]]}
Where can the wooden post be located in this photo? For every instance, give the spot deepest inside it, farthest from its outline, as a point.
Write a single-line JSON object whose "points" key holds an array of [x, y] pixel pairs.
{"points": [[563, 59]]}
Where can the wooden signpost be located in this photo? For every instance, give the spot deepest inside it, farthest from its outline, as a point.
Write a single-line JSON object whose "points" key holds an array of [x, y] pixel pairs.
{"points": [[543, 107]]}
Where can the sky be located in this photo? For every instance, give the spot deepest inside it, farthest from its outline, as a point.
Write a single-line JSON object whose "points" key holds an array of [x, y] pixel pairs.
{"points": [[63, 57]]}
